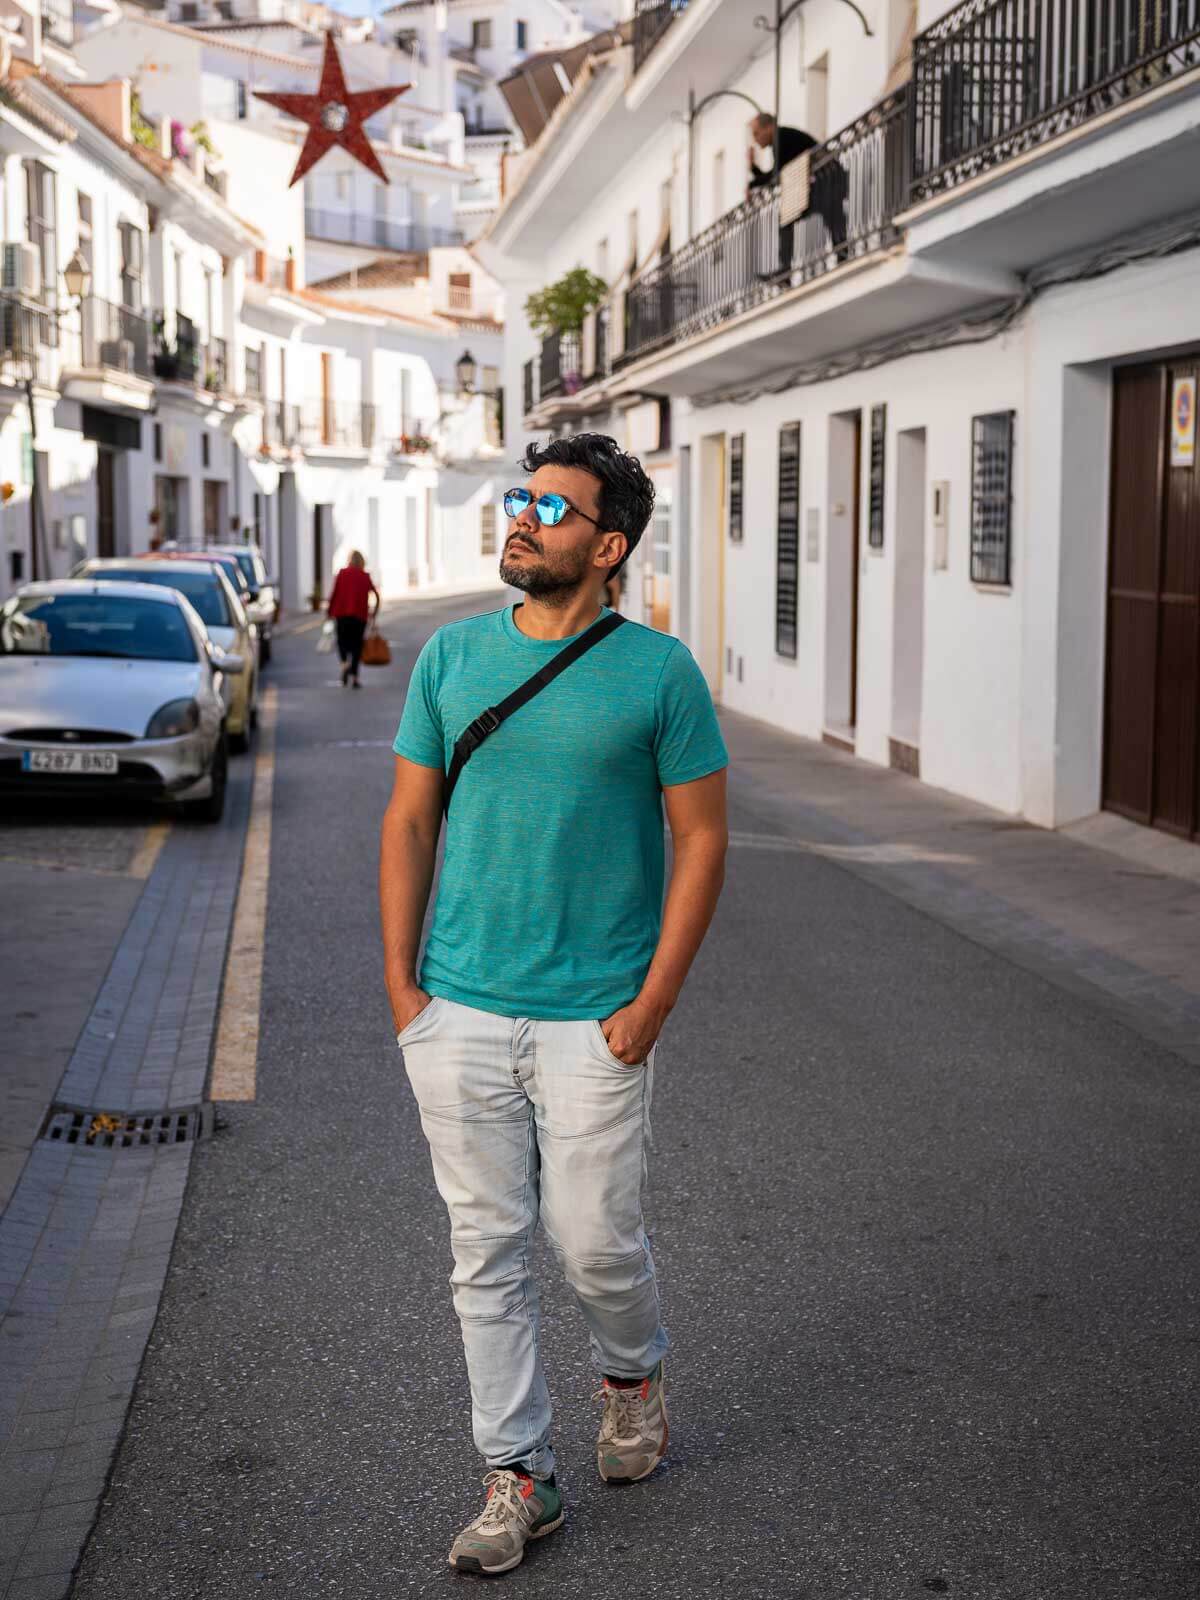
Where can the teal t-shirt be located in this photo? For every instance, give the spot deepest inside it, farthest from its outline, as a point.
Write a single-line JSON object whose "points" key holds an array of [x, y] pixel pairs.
{"points": [[550, 899]]}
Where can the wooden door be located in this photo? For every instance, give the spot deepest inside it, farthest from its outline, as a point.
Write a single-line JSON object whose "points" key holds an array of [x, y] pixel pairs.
{"points": [[106, 513], [1152, 699]]}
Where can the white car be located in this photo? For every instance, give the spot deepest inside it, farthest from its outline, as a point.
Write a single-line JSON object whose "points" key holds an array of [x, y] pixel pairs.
{"points": [[112, 688]]}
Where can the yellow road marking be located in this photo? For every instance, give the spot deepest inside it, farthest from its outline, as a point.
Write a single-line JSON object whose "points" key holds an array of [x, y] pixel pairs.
{"points": [[147, 853], [235, 1063]]}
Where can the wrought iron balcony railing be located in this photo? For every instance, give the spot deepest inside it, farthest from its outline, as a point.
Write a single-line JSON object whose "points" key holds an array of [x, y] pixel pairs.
{"points": [[328, 423], [559, 365], [857, 186], [114, 337], [28, 334], [651, 19], [281, 424], [994, 78]]}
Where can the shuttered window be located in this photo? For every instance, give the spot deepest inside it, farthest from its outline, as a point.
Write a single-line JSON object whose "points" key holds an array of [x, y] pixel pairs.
{"points": [[737, 470], [991, 498], [878, 450], [787, 542], [487, 528]]}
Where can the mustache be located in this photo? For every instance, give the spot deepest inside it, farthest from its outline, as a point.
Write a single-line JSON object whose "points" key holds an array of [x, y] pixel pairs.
{"points": [[519, 538]]}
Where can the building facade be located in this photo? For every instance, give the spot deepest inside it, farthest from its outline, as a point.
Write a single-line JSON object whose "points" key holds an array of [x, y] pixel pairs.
{"points": [[931, 391]]}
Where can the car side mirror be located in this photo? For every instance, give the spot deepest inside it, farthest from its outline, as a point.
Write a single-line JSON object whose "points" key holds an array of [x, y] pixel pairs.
{"points": [[230, 665]]}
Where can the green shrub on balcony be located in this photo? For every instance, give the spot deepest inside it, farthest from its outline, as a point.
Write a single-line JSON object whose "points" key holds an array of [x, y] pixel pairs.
{"points": [[562, 306]]}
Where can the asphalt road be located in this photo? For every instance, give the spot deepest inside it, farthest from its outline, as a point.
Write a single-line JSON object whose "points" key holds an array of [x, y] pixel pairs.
{"points": [[927, 1235]]}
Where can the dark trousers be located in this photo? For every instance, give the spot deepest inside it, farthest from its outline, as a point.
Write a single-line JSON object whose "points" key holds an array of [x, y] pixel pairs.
{"points": [[350, 631]]}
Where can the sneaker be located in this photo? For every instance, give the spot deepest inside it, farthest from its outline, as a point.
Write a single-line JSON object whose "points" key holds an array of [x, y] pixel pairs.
{"points": [[633, 1429], [518, 1508]]}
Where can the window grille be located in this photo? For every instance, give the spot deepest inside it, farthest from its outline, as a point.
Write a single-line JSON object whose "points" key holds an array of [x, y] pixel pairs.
{"points": [[737, 451], [787, 545], [487, 528], [878, 452], [991, 497]]}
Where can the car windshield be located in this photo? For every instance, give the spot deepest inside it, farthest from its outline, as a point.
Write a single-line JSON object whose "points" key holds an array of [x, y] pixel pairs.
{"points": [[233, 571], [246, 561], [92, 624], [203, 589]]}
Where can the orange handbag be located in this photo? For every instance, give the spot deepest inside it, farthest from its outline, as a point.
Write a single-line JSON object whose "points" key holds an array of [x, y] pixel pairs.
{"points": [[376, 652]]}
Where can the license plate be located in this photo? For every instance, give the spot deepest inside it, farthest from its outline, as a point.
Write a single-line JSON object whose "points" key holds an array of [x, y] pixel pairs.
{"points": [[94, 763]]}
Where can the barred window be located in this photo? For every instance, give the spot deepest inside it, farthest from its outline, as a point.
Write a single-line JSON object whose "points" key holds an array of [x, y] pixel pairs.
{"points": [[737, 453], [787, 543], [878, 449], [991, 497], [487, 528]]}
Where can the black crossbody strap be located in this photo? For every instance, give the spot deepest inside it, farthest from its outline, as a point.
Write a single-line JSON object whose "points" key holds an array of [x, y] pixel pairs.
{"points": [[488, 721]]}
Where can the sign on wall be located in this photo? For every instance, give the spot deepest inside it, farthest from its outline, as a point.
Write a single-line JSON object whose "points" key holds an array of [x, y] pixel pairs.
{"points": [[1183, 422]]}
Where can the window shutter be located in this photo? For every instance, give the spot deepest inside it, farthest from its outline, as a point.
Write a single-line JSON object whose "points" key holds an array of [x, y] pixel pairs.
{"points": [[787, 545], [991, 498], [737, 452], [878, 448]]}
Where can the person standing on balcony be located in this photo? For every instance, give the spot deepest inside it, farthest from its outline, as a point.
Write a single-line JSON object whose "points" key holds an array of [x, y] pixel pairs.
{"points": [[530, 1032], [827, 184], [350, 608]]}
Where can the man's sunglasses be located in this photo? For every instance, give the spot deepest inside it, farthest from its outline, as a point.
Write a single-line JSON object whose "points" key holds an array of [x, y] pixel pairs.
{"points": [[550, 509]]}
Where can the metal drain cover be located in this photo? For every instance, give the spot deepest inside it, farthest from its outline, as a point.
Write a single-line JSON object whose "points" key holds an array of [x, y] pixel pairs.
{"points": [[125, 1130]]}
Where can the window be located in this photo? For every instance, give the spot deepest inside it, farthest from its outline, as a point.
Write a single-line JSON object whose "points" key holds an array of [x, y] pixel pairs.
{"points": [[405, 399], [253, 369], [240, 108], [522, 35], [787, 543], [41, 197], [991, 497], [85, 229], [460, 291], [189, 11], [632, 225], [178, 266], [718, 185], [204, 451], [481, 35], [487, 530], [210, 305], [158, 441], [132, 243], [737, 451], [875, 503]]}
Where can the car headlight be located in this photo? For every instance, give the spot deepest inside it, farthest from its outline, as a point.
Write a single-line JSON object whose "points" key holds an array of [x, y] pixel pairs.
{"points": [[176, 717]]}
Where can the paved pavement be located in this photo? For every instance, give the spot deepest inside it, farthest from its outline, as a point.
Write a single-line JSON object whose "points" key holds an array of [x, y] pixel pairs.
{"points": [[924, 1199]]}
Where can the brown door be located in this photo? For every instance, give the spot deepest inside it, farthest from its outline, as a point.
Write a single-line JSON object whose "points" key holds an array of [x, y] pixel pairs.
{"points": [[855, 550], [1152, 701], [212, 511], [106, 515], [318, 588]]}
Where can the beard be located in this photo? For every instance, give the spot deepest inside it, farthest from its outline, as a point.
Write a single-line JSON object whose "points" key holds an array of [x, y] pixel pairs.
{"points": [[552, 582]]}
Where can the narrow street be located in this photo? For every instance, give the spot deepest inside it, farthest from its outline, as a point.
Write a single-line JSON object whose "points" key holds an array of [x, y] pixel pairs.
{"points": [[924, 1200]]}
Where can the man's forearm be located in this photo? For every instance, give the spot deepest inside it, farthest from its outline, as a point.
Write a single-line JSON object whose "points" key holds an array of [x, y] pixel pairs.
{"points": [[697, 875], [406, 862]]}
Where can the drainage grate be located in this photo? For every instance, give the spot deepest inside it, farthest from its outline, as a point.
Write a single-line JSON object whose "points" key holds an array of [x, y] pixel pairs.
{"points": [[126, 1130]]}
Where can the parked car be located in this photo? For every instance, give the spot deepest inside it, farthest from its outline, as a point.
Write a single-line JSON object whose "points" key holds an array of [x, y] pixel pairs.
{"points": [[205, 583], [264, 592], [112, 688]]}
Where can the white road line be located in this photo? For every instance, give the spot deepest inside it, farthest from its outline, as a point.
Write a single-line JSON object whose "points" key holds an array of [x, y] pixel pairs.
{"points": [[235, 1063]]}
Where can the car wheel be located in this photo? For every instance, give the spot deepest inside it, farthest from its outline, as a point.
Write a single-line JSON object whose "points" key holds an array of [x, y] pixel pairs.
{"points": [[239, 743], [212, 808]]}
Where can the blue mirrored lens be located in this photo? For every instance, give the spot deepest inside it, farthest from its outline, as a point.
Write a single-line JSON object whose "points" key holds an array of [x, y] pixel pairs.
{"points": [[515, 502], [551, 509]]}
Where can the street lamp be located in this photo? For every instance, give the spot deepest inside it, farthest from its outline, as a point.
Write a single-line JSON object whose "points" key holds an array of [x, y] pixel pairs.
{"points": [[77, 277], [465, 371]]}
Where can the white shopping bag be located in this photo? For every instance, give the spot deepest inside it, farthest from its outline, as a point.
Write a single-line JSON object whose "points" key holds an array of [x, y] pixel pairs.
{"points": [[325, 642]]}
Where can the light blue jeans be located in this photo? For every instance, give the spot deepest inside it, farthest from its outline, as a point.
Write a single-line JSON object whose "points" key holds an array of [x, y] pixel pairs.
{"points": [[529, 1119]]}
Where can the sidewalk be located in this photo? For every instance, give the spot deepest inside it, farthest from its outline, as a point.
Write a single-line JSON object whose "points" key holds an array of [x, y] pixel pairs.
{"points": [[1106, 909]]}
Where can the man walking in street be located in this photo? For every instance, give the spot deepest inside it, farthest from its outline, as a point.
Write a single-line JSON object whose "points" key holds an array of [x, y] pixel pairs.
{"points": [[530, 1033]]}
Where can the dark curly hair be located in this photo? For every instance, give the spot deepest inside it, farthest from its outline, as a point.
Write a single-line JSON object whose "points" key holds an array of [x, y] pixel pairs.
{"points": [[626, 492]]}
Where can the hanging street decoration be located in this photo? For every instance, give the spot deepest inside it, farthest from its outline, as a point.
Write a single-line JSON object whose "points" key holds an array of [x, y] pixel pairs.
{"points": [[334, 116]]}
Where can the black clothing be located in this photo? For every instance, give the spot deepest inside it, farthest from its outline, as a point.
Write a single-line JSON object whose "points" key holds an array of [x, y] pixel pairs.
{"points": [[792, 143], [350, 634], [828, 187]]}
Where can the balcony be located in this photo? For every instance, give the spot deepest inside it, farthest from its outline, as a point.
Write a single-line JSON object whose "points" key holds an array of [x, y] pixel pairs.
{"points": [[651, 19], [376, 233], [745, 259], [559, 365], [27, 339], [115, 337], [280, 425], [330, 424]]}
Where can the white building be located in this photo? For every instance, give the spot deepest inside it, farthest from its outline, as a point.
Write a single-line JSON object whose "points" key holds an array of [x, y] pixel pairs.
{"points": [[934, 494]]}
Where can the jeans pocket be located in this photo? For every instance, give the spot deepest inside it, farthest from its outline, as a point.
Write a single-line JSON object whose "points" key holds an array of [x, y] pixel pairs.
{"points": [[606, 1051], [419, 1022]]}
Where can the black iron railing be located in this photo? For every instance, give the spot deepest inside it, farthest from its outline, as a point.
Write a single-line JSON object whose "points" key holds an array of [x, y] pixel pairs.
{"points": [[27, 337], [559, 365], [527, 387], [281, 423], [651, 19], [214, 362], [114, 337], [994, 78], [857, 186], [328, 423], [600, 351]]}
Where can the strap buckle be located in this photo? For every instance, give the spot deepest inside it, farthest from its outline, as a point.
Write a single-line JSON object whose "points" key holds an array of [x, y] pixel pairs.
{"points": [[487, 722]]}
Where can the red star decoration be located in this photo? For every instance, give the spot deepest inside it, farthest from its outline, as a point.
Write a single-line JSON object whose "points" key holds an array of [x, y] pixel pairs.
{"points": [[334, 115]]}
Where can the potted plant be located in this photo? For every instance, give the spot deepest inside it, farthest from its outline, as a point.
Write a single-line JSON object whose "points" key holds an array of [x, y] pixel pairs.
{"points": [[560, 308]]}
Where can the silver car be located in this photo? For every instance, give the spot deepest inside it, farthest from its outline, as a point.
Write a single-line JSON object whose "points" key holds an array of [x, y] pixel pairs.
{"points": [[112, 688]]}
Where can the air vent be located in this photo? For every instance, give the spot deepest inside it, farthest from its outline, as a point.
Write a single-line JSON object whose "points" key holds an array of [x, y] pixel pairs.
{"points": [[80, 736], [126, 1130]]}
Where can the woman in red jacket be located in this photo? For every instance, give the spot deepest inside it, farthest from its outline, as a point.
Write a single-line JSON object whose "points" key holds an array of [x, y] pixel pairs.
{"points": [[350, 607]]}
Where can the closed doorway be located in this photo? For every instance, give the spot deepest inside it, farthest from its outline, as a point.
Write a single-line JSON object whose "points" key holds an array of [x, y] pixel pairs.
{"points": [[908, 606], [841, 579], [1152, 690], [321, 530], [106, 503]]}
